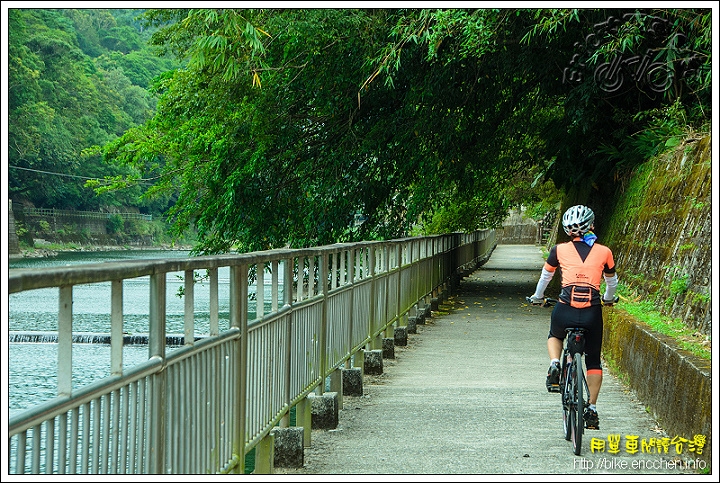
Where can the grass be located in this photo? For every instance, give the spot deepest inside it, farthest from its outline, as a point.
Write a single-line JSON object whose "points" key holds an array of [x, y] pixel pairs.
{"points": [[646, 312], [615, 368]]}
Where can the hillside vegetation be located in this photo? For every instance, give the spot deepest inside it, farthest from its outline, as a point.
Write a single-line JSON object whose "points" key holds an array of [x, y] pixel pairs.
{"points": [[77, 78]]}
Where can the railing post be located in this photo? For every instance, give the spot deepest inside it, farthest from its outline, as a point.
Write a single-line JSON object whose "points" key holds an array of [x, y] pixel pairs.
{"points": [[287, 301], [385, 254], [156, 343], [116, 327], [426, 273], [238, 319], [214, 302], [259, 289], [274, 283], [288, 281], [265, 455], [189, 315], [348, 263], [301, 277], [303, 417], [322, 285], [402, 319], [375, 339], [64, 374]]}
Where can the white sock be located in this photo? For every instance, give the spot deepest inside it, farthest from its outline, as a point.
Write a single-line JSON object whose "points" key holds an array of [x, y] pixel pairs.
{"points": [[592, 406], [554, 360]]}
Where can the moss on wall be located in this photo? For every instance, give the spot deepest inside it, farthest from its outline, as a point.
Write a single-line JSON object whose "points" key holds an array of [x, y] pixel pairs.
{"points": [[660, 233]]}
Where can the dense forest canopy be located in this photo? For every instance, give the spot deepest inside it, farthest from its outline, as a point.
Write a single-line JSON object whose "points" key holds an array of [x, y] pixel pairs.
{"points": [[311, 126], [76, 79]]}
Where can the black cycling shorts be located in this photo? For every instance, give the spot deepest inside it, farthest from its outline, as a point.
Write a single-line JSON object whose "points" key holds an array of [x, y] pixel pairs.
{"points": [[590, 318]]}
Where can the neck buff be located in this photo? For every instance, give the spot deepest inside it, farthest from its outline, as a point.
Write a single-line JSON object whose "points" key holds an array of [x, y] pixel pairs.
{"points": [[589, 238]]}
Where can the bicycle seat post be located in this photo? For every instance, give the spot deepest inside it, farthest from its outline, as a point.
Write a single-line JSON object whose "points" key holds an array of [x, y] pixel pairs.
{"points": [[575, 340]]}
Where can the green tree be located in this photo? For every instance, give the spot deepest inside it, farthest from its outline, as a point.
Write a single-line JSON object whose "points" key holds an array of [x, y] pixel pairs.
{"points": [[62, 101], [287, 123]]}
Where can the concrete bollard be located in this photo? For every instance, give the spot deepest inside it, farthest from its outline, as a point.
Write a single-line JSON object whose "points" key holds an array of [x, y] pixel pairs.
{"points": [[373, 362], [352, 382], [412, 325], [420, 319], [434, 303], [388, 348], [455, 281], [427, 312], [401, 336], [324, 410], [289, 447]]}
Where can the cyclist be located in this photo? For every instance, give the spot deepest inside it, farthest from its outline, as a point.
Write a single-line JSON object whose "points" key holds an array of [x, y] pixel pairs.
{"points": [[583, 263]]}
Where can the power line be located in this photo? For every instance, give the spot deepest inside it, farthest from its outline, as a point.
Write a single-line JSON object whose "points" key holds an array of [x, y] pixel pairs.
{"points": [[50, 172], [144, 181]]}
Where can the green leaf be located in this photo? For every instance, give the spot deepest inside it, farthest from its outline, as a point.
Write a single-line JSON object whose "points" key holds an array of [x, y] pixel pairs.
{"points": [[672, 142]]}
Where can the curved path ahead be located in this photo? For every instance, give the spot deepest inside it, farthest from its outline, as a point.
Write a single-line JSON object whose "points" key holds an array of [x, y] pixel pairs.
{"points": [[467, 396]]}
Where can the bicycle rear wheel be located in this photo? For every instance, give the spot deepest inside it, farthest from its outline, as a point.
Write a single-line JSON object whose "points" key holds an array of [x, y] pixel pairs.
{"points": [[577, 405], [566, 385]]}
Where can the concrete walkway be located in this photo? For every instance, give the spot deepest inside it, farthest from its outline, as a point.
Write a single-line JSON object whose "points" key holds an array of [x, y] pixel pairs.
{"points": [[467, 396]]}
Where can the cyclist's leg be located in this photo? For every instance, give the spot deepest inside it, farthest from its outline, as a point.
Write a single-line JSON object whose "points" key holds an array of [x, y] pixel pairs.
{"points": [[555, 346], [594, 380], [558, 322], [593, 345]]}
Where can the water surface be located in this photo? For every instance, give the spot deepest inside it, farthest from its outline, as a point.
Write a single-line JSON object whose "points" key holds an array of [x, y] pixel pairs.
{"points": [[32, 367]]}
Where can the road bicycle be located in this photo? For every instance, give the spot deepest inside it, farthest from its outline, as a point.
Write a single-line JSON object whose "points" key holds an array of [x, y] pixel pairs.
{"points": [[573, 387], [573, 384]]}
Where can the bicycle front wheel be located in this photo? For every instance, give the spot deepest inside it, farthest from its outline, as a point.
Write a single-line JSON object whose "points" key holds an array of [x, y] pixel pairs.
{"points": [[578, 404]]}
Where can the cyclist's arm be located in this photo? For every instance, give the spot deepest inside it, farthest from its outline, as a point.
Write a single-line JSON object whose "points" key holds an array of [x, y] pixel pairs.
{"points": [[611, 280], [546, 275]]}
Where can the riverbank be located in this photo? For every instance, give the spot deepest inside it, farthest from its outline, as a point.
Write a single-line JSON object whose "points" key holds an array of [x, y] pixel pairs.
{"points": [[45, 249]]}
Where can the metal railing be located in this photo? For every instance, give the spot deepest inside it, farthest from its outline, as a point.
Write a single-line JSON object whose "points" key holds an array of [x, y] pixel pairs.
{"points": [[52, 212], [202, 407]]}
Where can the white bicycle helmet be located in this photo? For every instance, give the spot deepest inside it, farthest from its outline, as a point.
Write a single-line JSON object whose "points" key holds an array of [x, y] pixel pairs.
{"points": [[578, 220]]}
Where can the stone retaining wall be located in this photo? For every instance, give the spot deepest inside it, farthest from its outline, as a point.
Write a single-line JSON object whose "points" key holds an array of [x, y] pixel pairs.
{"points": [[660, 233], [13, 242], [674, 384], [517, 229], [63, 226]]}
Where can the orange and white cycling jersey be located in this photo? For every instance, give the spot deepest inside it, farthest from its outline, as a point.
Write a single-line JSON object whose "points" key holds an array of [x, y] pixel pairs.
{"points": [[582, 270]]}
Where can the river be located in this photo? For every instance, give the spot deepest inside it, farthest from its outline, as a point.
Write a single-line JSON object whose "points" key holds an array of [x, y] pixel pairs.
{"points": [[32, 366]]}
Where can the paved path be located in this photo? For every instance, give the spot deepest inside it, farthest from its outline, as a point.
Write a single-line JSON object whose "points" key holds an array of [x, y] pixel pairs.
{"points": [[467, 396]]}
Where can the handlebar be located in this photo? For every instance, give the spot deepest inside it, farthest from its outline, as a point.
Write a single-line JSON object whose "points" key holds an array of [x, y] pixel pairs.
{"points": [[546, 302], [610, 304], [549, 302]]}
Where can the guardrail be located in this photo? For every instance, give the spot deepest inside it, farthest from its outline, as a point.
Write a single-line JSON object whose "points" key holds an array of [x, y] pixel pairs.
{"points": [[83, 214], [201, 408]]}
